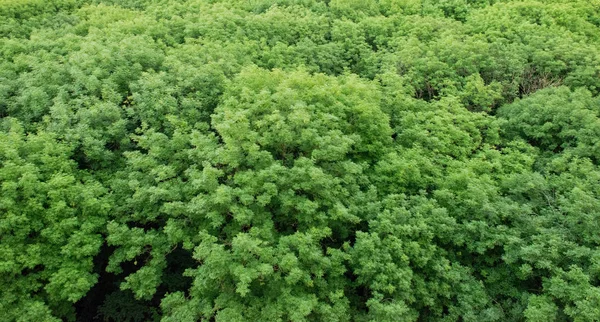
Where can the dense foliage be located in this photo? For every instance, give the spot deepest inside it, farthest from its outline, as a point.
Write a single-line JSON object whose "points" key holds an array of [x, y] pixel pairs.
{"points": [[299, 160]]}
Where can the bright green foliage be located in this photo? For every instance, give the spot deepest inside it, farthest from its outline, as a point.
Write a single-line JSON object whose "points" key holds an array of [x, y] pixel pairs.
{"points": [[52, 216], [557, 120], [299, 160], [293, 176]]}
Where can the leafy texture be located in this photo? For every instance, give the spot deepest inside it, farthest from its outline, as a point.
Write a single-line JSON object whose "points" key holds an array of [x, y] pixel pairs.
{"points": [[299, 160]]}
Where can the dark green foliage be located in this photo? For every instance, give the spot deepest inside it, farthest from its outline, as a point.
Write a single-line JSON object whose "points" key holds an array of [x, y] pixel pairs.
{"points": [[299, 160]]}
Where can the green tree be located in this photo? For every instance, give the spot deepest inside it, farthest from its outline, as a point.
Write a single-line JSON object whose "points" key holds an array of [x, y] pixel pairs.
{"points": [[53, 218]]}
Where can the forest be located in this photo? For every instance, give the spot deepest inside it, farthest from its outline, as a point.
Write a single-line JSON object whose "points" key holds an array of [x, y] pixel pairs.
{"points": [[299, 160]]}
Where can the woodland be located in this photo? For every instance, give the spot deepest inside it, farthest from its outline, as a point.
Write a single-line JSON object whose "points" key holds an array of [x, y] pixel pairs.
{"points": [[299, 160]]}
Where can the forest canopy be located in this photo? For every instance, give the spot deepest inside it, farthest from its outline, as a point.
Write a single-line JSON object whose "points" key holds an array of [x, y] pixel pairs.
{"points": [[299, 160]]}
